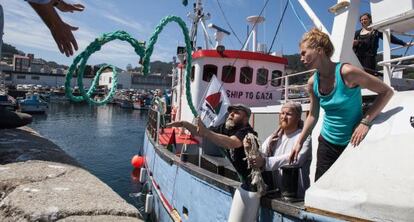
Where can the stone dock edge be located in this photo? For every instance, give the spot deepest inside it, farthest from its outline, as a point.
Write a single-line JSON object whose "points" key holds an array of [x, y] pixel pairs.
{"points": [[40, 182]]}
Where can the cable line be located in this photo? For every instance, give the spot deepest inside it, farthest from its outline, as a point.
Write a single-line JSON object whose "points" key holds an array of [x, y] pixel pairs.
{"points": [[278, 26]]}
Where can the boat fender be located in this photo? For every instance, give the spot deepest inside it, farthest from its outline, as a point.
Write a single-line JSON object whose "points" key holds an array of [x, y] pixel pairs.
{"points": [[143, 175], [412, 121], [149, 200], [245, 206], [137, 161]]}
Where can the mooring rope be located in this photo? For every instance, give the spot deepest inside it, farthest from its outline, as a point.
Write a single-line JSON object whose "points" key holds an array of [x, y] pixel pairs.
{"points": [[79, 62]]}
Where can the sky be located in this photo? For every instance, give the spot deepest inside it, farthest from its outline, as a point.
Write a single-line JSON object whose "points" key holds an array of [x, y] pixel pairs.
{"points": [[25, 30]]}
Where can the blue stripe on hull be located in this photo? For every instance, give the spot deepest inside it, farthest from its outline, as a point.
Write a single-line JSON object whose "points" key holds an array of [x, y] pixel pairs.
{"points": [[204, 202]]}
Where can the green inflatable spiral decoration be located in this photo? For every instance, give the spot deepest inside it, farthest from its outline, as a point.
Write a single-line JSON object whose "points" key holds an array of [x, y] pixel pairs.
{"points": [[79, 62]]}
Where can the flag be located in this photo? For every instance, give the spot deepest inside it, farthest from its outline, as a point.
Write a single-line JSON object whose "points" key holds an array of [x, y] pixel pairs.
{"points": [[172, 143], [214, 106]]}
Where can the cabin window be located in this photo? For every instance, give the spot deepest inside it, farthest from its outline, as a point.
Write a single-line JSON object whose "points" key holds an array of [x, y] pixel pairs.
{"points": [[192, 74], [262, 75], [209, 71], [228, 74], [246, 75], [21, 77], [276, 74], [35, 77]]}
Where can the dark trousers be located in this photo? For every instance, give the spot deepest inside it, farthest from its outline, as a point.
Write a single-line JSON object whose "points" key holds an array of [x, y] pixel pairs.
{"points": [[369, 64], [327, 154]]}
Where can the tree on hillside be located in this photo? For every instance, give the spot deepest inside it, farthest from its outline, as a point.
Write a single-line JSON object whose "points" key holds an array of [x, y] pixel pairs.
{"points": [[9, 50]]}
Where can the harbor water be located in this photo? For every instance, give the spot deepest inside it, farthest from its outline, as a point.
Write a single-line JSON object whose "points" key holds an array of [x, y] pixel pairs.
{"points": [[102, 139]]}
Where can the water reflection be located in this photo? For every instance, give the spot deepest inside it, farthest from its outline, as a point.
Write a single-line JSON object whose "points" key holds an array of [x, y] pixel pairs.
{"points": [[103, 139]]}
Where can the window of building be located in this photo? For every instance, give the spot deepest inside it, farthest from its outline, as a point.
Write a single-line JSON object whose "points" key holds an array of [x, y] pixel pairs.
{"points": [[192, 74], [21, 77], [110, 79], [276, 74], [246, 75], [208, 72], [228, 74], [262, 76], [35, 77]]}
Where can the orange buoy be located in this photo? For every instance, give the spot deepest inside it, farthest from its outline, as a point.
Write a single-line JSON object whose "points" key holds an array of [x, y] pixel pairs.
{"points": [[137, 161]]}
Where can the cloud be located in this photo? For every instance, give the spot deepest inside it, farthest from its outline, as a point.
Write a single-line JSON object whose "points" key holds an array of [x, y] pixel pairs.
{"points": [[129, 23], [25, 30]]}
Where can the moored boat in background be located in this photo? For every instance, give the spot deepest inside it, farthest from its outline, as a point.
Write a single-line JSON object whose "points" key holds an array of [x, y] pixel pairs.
{"points": [[32, 103]]}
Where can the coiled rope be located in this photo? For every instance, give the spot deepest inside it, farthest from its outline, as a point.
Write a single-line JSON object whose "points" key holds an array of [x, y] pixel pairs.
{"points": [[79, 62]]}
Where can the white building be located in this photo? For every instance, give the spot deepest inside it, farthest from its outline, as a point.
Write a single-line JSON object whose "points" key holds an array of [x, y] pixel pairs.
{"points": [[127, 80], [36, 65], [21, 63], [44, 79], [124, 80]]}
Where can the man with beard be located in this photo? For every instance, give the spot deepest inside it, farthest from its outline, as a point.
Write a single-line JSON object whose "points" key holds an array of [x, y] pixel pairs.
{"points": [[229, 136], [277, 147]]}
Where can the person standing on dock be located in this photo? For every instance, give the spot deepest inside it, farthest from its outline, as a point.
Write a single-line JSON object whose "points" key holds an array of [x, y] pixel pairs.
{"points": [[336, 88], [160, 105], [366, 41]]}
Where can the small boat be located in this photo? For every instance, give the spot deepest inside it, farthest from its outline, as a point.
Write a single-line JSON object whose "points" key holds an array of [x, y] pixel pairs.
{"points": [[8, 102], [32, 103]]}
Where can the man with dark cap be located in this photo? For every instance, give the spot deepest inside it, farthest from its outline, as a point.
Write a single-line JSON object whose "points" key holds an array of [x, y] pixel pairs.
{"points": [[229, 136]]}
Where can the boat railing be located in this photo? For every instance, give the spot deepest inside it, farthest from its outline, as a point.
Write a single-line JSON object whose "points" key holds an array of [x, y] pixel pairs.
{"points": [[393, 49], [395, 65], [399, 59], [153, 124], [295, 92]]}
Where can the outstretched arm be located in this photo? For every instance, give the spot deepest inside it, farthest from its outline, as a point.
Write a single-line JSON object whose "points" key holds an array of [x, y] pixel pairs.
{"points": [[354, 76], [65, 7], [228, 142], [61, 32], [394, 39], [310, 122]]}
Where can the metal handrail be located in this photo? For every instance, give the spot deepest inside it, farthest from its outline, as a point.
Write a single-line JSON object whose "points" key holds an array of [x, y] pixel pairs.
{"points": [[388, 62], [287, 87], [393, 49]]}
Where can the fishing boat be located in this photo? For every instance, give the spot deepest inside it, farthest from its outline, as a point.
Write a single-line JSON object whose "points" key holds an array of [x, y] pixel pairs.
{"points": [[8, 102], [33, 103], [371, 182]]}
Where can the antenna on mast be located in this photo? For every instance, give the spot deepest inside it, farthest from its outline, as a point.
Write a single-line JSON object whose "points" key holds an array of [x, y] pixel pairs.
{"points": [[198, 16]]}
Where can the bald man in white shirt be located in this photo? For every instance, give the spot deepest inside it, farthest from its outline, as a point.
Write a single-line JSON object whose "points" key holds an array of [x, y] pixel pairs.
{"points": [[277, 147]]}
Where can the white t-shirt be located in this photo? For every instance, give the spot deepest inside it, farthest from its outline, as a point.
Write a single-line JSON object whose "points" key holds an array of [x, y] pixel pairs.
{"points": [[281, 155]]}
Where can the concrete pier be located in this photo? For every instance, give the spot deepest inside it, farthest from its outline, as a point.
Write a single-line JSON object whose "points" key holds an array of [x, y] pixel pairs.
{"points": [[40, 182]]}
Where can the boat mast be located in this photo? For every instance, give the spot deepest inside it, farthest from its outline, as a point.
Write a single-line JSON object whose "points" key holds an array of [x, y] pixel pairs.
{"points": [[343, 29], [198, 16]]}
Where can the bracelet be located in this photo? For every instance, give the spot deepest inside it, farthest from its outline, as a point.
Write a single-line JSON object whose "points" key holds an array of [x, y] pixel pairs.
{"points": [[366, 122]]}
